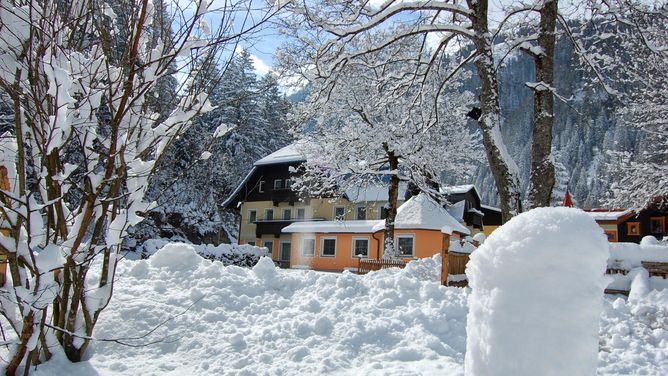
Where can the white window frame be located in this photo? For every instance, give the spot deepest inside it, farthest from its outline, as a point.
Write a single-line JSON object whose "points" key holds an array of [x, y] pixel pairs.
{"points": [[368, 245], [322, 246], [302, 249], [267, 211], [280, 250], [357, 212], [278, 184], [334, 218], [260, 186], [286, 210], [396, 245], [249, 215], [303, 216]]}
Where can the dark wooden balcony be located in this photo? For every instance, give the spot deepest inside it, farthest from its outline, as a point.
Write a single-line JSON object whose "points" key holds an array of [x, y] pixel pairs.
{"points": [[284, 195]]}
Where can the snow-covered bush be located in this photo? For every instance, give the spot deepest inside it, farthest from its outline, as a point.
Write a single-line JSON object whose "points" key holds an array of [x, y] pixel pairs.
{"points": [[537, 295], [229, 254]]}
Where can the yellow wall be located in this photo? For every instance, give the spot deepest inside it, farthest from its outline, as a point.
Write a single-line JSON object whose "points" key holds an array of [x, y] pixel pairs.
{"points": [[488, 229], [316, 208]]}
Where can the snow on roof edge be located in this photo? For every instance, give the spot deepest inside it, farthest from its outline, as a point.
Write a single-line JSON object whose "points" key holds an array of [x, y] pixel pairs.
{"points": [[238, 188], [285, 154]]}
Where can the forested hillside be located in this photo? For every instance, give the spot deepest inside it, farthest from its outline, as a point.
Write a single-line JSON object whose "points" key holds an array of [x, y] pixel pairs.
{"points": [[586, 127]]}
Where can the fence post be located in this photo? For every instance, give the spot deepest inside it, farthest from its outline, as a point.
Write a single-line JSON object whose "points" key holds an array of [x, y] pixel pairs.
{"points": [[444, 259]]}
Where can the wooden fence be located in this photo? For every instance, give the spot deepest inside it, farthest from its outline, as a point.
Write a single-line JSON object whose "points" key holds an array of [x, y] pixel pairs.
{"points": [[457, 266], [367, 265]]}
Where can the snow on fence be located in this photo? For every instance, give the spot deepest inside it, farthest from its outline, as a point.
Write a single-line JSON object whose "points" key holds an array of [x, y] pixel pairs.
{"points": [[368, 265], [627, 260], [230, 254]]}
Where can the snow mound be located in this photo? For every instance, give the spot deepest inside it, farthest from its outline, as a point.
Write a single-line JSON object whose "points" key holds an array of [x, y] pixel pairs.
{"points": [[537, 294], [176, 257]]}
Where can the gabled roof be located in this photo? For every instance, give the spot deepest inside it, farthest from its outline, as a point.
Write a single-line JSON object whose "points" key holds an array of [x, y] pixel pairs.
{"points": [[459, 189], [456, 210], [288, 154], [420, 212], [618, 215]]}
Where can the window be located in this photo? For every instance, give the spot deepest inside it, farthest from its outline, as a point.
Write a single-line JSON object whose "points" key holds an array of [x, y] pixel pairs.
{"points": [[287, 214], [657, 225], [288, 183], [301, 213], [382, 212], [260, 186], [633, 228], [284, 254], [278, 184], [268, 214], [328, 247], [361, 212], [360, 247], [339, 213], [252, 242], [405, 245], [612, 235], [269, 244], [308, 247], [252, 216]]}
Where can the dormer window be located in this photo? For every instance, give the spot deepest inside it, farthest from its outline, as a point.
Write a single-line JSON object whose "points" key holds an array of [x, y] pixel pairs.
{"points": [[260, 186], [278, 184]]}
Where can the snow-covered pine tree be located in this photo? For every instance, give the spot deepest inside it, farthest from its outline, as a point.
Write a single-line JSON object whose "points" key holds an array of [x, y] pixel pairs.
{"points": [[201, 169]]}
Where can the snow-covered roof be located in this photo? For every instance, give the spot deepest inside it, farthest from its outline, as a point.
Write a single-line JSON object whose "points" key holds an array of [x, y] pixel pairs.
{"points": [[419, 212], [490, 208], [476, 211], [608, 214], [243, 182], [458, 189], [456, 210], [373, 193], [333, 226], [287, 154]]}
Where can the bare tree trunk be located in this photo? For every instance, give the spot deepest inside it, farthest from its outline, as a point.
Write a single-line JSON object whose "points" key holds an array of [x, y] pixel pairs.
{"points": [[26, 333], [502, 166], [542, 168], [389, 250]]}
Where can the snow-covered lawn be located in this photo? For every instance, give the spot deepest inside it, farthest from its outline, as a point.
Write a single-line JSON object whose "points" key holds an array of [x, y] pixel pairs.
{"points": [[231, 320]]}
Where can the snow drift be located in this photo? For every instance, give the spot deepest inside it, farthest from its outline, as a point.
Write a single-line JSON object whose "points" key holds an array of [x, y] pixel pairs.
{"points": [[211, 320]]}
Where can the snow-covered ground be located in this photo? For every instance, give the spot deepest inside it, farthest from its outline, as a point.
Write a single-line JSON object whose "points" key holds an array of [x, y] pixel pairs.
{"points": [[215, 320]]}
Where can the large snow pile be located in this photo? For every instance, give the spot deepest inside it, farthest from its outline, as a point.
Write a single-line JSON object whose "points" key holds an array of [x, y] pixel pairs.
{"points": [[214, 320], [229, 254], [537, 295]]}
